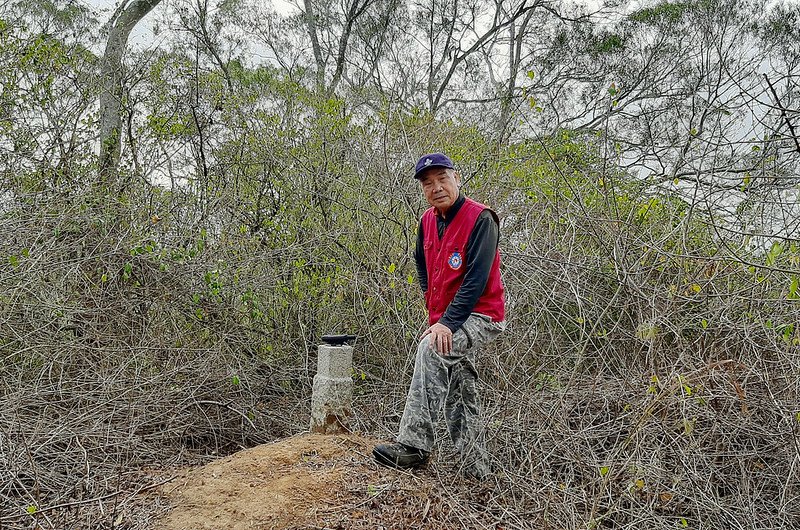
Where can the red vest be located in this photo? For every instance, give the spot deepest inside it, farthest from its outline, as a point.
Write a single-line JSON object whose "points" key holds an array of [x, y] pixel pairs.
{"points": [[445, 261]]}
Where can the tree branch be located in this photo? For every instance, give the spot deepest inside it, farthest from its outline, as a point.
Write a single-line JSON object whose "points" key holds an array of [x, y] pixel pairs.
{"points": [[783, 113], [111, 75]]}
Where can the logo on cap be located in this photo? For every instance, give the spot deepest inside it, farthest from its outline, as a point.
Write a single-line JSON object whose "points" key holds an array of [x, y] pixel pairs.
{"points": [[428, 161]]}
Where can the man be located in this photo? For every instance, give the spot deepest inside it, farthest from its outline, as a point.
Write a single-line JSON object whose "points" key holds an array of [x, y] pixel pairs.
{"points": [[458, 264]]}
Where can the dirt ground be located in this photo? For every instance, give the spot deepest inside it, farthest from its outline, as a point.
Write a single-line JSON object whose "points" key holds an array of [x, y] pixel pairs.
{"points": [[312, 481]]}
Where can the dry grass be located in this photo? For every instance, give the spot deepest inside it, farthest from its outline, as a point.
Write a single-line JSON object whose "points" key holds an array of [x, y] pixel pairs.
{"points": [[644, 382]]}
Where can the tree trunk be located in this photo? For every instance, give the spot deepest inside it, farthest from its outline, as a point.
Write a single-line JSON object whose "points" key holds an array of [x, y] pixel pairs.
{"points": [[311, 24], [123, 21]]}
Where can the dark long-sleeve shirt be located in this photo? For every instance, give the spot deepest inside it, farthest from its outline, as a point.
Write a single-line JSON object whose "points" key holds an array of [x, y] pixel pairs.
{"points": [[480, 253]]}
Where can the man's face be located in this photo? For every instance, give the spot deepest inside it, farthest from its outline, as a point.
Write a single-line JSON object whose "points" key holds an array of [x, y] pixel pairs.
{"points": [[440, 186]]}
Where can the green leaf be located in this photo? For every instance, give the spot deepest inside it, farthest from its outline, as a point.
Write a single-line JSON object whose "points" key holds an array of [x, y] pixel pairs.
{"points": [[127, 270], [31, 509], [795, 285], [13, 260], [775, 250], [604, 471], [392, 268], [235, 380], [653, 388]]}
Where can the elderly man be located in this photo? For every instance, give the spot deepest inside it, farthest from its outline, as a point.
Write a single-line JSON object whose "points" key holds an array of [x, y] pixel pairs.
{"points": [[458, 264]]}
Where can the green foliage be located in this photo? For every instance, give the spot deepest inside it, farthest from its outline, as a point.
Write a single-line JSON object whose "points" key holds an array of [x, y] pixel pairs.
{"points": [[774, 253], [782, 24], [794, 288], [44, 102], [662, 13], [609, 43]]}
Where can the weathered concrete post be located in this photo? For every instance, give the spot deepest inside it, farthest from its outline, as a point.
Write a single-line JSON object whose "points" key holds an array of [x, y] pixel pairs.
{"points": [[332, 393]]}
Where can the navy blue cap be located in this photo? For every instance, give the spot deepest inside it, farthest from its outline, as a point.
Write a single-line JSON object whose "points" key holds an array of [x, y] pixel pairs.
{"points": [[432, 160]]}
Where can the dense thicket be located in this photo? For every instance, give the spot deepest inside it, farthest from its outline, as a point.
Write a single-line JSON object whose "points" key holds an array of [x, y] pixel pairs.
{"points": [[644, 170]]}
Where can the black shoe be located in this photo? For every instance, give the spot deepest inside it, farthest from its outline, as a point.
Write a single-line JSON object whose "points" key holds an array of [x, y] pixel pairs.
{"points": [[399, 456]]}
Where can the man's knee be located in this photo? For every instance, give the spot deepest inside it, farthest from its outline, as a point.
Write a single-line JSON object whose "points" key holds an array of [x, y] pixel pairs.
{"points": [[424, 347], [426, 356]]}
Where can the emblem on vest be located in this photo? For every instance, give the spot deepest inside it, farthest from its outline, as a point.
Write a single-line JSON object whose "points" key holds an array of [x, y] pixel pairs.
{"points": [[455, 260]]}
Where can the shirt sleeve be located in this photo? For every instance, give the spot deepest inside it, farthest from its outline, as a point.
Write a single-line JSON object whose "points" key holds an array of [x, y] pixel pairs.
{"points": [[481, 250], [419, 260]]}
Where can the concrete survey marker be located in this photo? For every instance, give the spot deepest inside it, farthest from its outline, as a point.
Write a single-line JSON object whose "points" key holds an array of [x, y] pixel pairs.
{"points": [[332, 393]]}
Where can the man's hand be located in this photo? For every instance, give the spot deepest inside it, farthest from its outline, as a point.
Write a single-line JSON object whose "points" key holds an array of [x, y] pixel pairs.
{"points": [[441, 338]]}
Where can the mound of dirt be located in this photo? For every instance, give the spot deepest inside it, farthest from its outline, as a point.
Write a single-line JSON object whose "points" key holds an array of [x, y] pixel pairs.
{"points": [[306, 481]]}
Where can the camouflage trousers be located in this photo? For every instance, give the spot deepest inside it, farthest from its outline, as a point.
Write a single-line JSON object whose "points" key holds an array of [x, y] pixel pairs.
{"points": [[450, 383]]}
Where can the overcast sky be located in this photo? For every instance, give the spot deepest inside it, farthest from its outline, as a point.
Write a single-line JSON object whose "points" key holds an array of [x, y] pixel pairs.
{"points": [[143, 34]]}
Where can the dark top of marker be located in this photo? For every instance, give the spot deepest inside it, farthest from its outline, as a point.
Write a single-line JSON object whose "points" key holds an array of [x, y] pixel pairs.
{"points": [[338, 340]]}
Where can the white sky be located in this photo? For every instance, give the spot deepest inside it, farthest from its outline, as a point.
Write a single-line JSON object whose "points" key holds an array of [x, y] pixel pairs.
{"points": [[143, 35]]}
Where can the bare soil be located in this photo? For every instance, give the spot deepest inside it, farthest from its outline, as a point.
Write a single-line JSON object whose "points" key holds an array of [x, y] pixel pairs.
{"points": [[309, 481]]}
